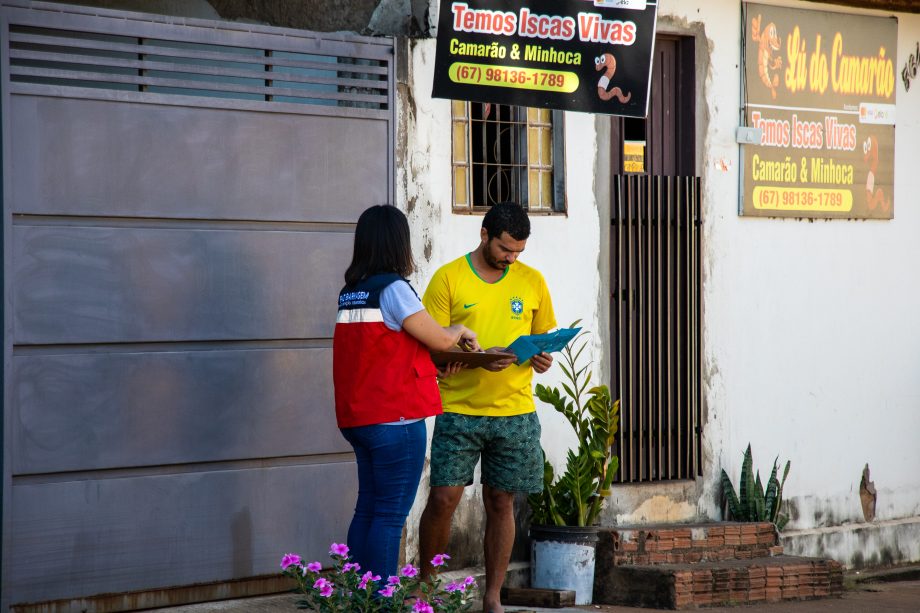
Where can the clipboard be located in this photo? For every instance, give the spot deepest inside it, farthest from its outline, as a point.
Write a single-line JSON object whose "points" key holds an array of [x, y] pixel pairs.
{"points": [[472, 359]]}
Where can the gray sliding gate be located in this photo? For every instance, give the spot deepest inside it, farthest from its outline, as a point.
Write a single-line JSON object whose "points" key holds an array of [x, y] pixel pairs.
{"points": [[178, 206]]}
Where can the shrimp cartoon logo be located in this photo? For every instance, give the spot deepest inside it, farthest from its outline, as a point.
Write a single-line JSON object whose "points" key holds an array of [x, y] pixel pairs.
{"points": [[769, 44], [608, 64], [875, 197]]}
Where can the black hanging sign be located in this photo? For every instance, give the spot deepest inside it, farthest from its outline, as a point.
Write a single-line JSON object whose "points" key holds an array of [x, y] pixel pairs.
{"points": [[592, 56]]}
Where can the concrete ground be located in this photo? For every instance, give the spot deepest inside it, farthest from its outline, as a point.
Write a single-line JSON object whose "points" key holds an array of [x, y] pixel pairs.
{"points": [[864, 597]]}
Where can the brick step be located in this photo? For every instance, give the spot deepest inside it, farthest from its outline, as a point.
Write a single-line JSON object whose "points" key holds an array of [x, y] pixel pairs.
{"points": [[679, 543], [729, 582]]}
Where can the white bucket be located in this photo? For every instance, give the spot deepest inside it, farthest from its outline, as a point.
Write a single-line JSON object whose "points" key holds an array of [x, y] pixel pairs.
{"points": [[562, 558]]}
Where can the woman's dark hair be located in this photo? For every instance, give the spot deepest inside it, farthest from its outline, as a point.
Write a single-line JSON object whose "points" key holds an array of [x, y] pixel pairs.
{"points": [[507, 217], [382, 244]]}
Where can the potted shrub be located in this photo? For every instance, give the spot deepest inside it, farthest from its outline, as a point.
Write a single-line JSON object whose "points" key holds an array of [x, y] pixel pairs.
{"points": [[563, 532]]}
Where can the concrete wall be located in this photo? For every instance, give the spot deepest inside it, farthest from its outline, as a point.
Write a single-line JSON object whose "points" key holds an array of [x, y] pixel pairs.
{"points": [[811, 348]]}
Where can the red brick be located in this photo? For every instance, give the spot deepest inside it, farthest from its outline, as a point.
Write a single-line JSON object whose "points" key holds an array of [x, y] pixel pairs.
{"points": [[665, 544], [683, 543], [716, 541], [757, 594], [693, 557], [629, 546], [715, 531], [658, 558], [642, 558], [733, 530], [749, 539], [750, 528], [683, 533], [676, 558], [776, 551], [773, 594]]}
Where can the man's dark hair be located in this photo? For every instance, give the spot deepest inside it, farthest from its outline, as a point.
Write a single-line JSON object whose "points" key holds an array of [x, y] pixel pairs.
{"points": [[507, 217], [382, 245]]}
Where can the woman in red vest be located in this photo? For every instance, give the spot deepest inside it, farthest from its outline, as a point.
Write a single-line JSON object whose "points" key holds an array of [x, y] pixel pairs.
{"points": [[385, 382]]}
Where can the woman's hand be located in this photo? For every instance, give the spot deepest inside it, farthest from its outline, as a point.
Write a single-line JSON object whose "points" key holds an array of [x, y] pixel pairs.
{"points": [[468, 341], [450, 369]]}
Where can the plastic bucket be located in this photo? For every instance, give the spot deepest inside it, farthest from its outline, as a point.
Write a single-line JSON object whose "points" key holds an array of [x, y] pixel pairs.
{"points": [[562, 558]]}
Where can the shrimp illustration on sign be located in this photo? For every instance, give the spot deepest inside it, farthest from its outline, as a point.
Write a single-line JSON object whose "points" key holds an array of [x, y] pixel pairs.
{"points": [[607, 63], [769, 44], [875, 197]]}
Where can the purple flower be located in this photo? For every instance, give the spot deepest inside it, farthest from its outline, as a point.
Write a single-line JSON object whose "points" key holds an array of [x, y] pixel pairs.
{"points": [[368, 576], [440, 559], [408, 571], [422, 607], [387, 592], [313, 567], [289, 559], [454, 587], [469, 581], [393, 580], [337, 549], [324, 586], [351, 566]]}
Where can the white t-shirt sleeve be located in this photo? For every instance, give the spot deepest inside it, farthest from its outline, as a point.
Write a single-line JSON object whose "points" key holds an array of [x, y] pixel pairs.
{"points": [[398, 301]]}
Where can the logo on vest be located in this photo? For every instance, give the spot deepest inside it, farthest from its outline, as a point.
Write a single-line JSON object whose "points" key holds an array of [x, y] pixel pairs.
{"points": [[517, 307]]}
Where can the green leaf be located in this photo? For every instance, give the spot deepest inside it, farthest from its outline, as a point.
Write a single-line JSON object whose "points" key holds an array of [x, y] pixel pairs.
{"points": [[728, 491]]}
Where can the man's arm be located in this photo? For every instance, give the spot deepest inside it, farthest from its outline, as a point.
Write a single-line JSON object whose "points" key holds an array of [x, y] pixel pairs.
{"points": [[544, 320]]}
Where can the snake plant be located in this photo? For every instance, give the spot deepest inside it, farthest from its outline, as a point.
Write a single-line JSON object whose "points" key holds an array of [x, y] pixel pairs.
{"points": [[752, 503], [576, 497]]}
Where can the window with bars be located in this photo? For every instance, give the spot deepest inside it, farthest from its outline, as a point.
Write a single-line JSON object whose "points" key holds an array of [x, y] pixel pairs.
{"points": [[503, 152]]}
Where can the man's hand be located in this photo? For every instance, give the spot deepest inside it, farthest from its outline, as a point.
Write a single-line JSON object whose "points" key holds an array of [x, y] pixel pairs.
{"points": [[541, 362], [498, 364]]}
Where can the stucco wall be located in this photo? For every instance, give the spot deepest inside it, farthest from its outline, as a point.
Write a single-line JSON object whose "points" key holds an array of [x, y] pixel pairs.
{"points": [[811, 346]]}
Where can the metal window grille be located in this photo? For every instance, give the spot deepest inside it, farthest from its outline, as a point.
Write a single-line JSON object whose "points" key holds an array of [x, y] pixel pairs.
{"points": [[655, 326], [503, 152], [335, 76]]}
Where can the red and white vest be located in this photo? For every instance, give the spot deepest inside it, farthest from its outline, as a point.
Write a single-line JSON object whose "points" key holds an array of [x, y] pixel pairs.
{"points": [[380, 375]]}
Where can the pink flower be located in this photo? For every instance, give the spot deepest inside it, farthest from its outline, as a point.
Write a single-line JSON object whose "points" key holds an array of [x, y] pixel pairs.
{"points": [[337, 549], [313, 567], [454, 587], [469, 581], [368, 576], [387, 592], [408, 571], [422, 607], [351, 566], [393, 580], [440, 559], [324, 586], [289, 559]]}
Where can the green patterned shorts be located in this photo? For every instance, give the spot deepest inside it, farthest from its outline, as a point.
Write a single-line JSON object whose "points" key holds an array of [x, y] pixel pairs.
{"points": [[512, 459]]}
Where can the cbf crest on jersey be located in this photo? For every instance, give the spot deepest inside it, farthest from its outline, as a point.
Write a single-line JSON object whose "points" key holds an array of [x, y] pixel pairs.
{"points": [[517, 307]]}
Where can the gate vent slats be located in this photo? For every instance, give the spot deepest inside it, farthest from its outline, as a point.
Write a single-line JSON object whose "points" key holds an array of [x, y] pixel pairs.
{"points": [[656, 320], [70, 58]]}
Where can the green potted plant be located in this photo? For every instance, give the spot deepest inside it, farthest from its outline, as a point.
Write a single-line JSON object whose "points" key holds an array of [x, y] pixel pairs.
{"points": [[752, 502], [563, 533]]}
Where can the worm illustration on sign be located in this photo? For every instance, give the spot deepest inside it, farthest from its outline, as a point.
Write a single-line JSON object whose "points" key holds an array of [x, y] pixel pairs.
{"points": [[608, 64], [769, 43], [874, 197]]}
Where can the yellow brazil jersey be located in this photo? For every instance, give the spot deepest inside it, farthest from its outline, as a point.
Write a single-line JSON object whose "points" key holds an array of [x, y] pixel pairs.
{"points": [[498, 313]]}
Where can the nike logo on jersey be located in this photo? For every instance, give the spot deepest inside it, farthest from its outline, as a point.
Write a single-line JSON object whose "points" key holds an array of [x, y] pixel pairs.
{"points": [[468, 306]]}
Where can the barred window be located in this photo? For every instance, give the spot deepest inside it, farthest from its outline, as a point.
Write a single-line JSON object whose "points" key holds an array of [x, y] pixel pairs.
{"points": [[503, 152]]}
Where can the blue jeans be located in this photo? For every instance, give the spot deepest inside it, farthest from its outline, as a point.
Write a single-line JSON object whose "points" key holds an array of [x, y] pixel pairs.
{"points": [[390, 461]]}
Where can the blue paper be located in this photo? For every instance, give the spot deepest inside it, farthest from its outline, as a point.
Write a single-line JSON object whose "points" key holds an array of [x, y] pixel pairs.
{"points": [[525, 347]]}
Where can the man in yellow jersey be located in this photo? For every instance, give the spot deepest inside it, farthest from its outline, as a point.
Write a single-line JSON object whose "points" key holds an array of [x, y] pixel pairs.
{"points": [[488, 414]]}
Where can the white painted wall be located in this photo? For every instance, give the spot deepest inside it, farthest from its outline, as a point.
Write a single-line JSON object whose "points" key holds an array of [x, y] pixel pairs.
{"points": [[565, 248], [811, 339]]}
